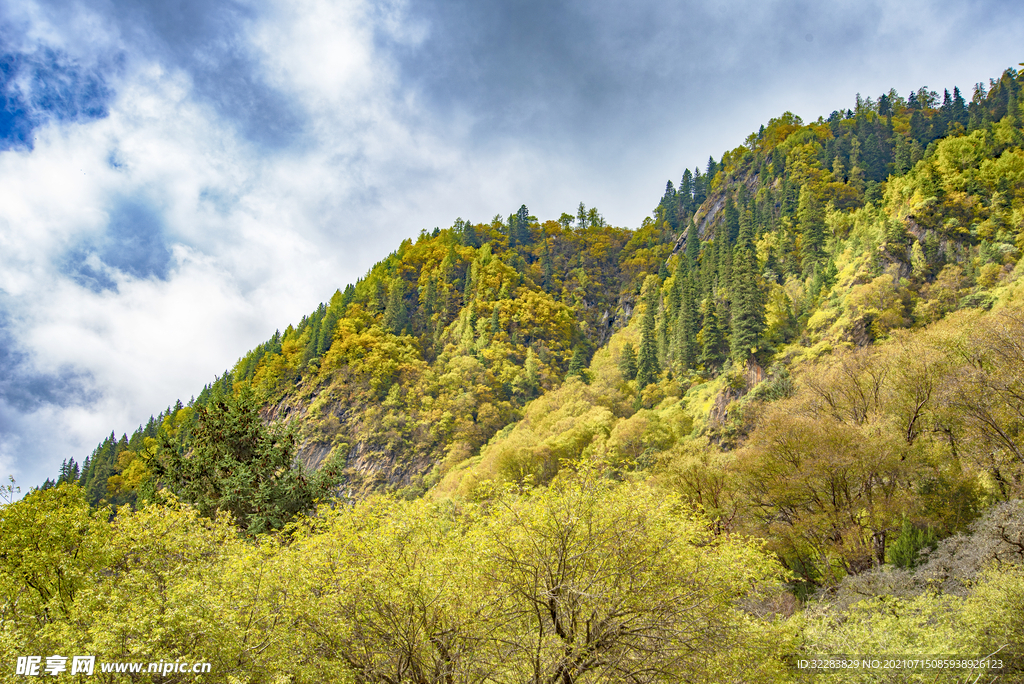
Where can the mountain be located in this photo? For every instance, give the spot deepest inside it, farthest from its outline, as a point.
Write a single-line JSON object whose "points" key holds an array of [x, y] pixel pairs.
{"points": [[781, 421], [783, 342]]}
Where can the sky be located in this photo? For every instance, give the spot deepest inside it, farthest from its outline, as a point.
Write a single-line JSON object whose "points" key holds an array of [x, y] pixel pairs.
{"points": [[179, 179]]}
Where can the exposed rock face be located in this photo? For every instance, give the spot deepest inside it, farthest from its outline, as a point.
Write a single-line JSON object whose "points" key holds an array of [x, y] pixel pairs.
{"points": [[753, 375]]}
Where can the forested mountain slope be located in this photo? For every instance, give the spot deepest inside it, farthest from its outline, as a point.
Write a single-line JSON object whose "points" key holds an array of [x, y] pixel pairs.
{"points": [[816, 339], [781, 421]]}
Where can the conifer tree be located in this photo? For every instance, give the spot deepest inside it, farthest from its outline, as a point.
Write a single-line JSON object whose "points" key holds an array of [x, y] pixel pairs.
{"points": [[470, 238], [686, 193], [812, 229], [686, 323], [692, 244], [495, 320], [235, 463], [627, 362], [378, 296], [581, 217], [648, 367], [578, 365], [522, 226], [711, 340], [747, 310], [732, 221], [700, 189], [396, 317]]}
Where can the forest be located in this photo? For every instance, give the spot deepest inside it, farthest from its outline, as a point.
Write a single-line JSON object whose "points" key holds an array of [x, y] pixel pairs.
{"points": [[779, 422]]}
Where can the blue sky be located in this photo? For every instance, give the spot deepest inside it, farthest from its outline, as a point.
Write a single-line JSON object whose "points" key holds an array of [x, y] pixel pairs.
{"points": [[178, 180]]}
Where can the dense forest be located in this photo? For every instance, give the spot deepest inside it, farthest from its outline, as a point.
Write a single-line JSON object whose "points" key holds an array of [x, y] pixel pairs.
{"points": [[783, 418]]}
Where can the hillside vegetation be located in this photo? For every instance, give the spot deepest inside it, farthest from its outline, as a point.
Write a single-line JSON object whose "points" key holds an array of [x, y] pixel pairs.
{"points": [[783, 417]]}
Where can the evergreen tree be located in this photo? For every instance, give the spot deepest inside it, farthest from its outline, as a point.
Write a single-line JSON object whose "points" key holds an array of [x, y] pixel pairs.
{"points": [[548, 271], [732, 221], [522, 226], [578, 365], [232, 462], [812, 229], [378, 296], [648, 367], [686, 193], [396, 317], [627, 362], [712, 169], [958, 111], [692, 244], [470, 238], [686, 322], [700, 189], [747, 306], [711, 340], [495, 319], [581, 217]]}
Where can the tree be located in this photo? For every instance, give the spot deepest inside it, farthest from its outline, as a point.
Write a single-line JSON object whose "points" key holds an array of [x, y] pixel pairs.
{"points": [[685, 194], [627, 362], [581, 217], [396, 318], [233, 462], [747, 304], [50, 544], [692, 244], [618, 584], [578, 365], [648, 367], [519, 227], [686, 322], [711, 340], [812, 228]]}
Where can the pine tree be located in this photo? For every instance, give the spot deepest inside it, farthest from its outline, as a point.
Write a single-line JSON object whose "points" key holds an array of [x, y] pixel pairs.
{"points": [[648, 367], [686, 322], [700, 189], [378, 296], [812, 229], [711, 340], [578, 365], [495, 320], [627, 362], [396, 317], [747, 309], [470, 238], [581, 217], [732, 221], [522, 226], [692, 244], [686, 194], [709, 175], [234, 463]]}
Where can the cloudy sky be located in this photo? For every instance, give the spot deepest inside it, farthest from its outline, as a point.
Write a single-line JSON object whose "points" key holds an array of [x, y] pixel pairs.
{"points": [[179, 179]]}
